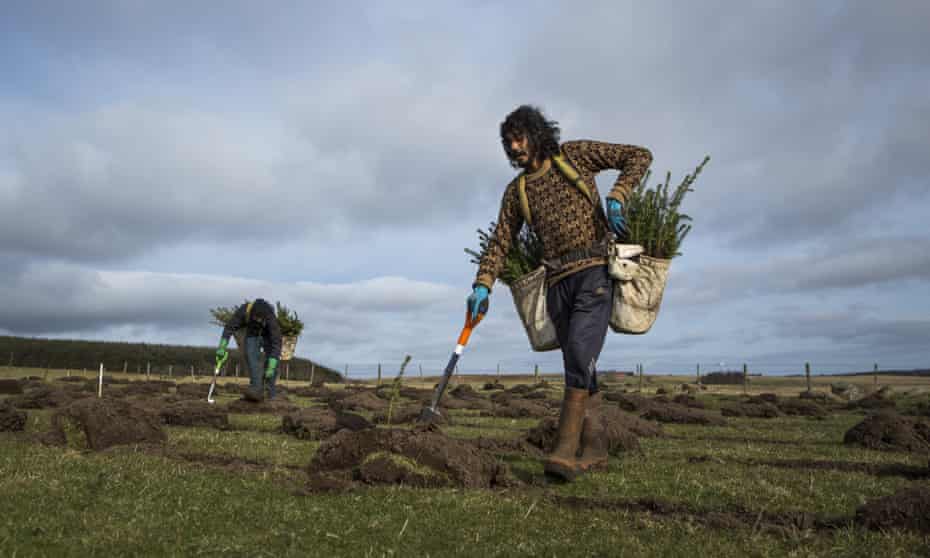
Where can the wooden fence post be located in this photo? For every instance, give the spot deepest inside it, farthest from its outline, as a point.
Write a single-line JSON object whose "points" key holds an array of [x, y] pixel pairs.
{"points": [[148, 370], [312, 372], [745, 379], [699, 374], [875, 376], [536, 373], [421, 370], [807, 374], [639, 368], [379, 373], [170, 370]]}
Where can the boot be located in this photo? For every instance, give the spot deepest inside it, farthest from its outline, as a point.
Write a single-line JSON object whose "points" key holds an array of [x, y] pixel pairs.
{"points": [[593, 436], [562, 462]]}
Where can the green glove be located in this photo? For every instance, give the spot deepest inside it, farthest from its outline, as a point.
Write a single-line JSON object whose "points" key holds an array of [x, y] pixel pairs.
{"points": [[221, 354], [270, 367]]}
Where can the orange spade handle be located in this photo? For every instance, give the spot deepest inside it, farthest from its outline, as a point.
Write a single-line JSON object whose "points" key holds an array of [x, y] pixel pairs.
{"points": [[469, 326]]}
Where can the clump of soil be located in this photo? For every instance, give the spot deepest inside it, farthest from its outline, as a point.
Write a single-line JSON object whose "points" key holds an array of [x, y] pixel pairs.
{"points": [[361, 401], [476, 404], [622, 430], [148, 388], [319, 423], [10, 387], [106, 422], [421, 395], [538, 394], [11, 420], [493, 385], [629, 401], [464, 391], [688, 400], [764, 398], [195, 413], [890, 432], [44, 397], [407, 414], [801, 407], [820, 396], [193, 391], [661, 391], [518, 408], [873, 401], [678, 414], [750, 410], [520, 389], [908, 508], [423, 457], [278, 406]]}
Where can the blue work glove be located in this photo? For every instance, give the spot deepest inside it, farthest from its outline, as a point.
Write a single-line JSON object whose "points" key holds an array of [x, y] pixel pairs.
{"points": [[270, 368], [478, 301], [615, 217]]}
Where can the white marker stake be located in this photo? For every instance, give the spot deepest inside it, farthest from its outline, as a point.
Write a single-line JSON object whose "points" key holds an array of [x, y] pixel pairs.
{"points": [[100, 383]]}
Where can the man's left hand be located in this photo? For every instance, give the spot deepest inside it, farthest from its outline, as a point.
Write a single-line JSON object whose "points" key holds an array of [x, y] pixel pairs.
{"points": [[270, 368], [615, 217]]}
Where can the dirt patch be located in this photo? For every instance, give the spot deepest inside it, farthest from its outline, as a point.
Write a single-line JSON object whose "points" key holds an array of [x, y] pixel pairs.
{"points": [[10, 387], [361, 401], [280, 405], [679, 414], [788, 524], [493, 385], [464, 391], [195, 413], [911, 472], [11, 420], [105, 423], [688, 400], [891, 432], [193, 391], [801, 407], [520, 389], [148, 388], [908, 508], [750, 410], [45, 397], [873, 402], [422, 457], [519, 408], [407, 414], [319, 423], [629, 402]]}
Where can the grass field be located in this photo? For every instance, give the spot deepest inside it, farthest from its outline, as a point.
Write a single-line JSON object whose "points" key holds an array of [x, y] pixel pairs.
{"points": [[786, 486]]}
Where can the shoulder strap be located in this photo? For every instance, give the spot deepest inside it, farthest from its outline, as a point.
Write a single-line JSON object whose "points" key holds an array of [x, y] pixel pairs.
{"points": [[248, 311], [569, 172], [524, 201]]}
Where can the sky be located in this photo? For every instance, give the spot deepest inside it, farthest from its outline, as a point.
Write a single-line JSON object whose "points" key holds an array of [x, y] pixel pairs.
{"points": [[158, 159]]}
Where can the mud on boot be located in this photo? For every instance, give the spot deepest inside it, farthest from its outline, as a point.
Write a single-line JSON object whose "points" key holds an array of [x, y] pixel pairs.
{"points": [[593, 436], [563, 462]]}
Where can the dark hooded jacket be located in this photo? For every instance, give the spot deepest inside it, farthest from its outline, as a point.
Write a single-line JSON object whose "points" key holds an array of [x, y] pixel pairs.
{"points": [[259, 321]]}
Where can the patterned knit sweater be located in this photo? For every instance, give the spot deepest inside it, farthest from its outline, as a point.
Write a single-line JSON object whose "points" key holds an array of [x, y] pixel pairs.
{"points": [[563, 218]]}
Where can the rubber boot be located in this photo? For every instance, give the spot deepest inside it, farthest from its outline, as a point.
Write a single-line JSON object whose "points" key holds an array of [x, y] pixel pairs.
{"points": [[593, 436], [562, 462]]}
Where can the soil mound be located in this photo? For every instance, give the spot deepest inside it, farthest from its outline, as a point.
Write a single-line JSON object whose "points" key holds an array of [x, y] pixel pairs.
{"points": [[629, 402], [688, 400], [45, 397], [518, 408], [476, 404], [890, 432], [10, 387], [750, 410], [105, 423], [464, 391], [319, 423], [421, 395], [801, 407], [520, 389], [423, 457], [11, 420], [764, 398], [908, 508], [404, 415], [538, 394], [148, 388], [278, 406], [193, 391], [678, 414], [361, 401], [873, 401], [623, 431], [195, 413], [493, 385]]}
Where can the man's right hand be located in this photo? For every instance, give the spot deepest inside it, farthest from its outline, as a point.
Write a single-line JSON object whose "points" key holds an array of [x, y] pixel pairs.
{"points": [[478, 301], [221, 353]]}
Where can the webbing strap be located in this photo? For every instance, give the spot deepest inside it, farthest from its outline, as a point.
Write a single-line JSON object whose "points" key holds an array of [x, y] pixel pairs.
{"points": [[567, 171], [248, 311]]}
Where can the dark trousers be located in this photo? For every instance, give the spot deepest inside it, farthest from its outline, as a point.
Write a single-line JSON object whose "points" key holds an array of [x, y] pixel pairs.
{"points": [[579, 306], [256, 361]]}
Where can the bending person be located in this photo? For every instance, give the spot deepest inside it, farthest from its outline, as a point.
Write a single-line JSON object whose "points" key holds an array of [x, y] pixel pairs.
{"points": [[262, 334]]}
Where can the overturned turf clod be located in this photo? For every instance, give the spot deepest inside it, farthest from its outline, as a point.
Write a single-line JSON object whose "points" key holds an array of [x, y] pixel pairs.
{"points": [[424, 456], [195, 413], [888, 431], [107, 422], [319, 423], [907, 509], [11, 420]]}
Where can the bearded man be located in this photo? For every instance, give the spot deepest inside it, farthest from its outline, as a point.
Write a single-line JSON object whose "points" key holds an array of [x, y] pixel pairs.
{"points": [[569, 221]]}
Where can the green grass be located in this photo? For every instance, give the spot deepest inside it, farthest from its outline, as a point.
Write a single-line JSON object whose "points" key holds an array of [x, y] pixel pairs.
{"points": [[243, 495]]}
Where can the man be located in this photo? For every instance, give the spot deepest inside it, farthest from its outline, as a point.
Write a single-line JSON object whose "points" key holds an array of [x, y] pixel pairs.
{"points": [[574, 233], [262, 331]]}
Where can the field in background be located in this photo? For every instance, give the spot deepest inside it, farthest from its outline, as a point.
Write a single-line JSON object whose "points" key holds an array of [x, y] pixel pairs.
{"points": [[243, 491]]}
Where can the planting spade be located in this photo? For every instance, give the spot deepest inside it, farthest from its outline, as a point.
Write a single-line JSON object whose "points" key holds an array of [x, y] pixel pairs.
{"points": [[216, 372], [431, 414]]}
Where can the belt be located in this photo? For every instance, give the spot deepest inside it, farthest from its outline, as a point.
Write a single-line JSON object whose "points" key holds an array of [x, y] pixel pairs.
{"points": [[598, 250]]}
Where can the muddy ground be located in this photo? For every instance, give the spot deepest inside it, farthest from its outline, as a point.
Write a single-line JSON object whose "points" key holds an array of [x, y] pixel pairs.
{"points": [[888, 431], [98, 424]]}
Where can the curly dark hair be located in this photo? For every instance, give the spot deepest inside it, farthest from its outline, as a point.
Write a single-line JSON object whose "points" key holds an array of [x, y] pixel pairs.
{"points": [[530, 122]]}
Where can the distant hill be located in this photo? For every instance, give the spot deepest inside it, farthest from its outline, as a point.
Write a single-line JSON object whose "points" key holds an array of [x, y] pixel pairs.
{"points": [[31, 352], [915, 372]]}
